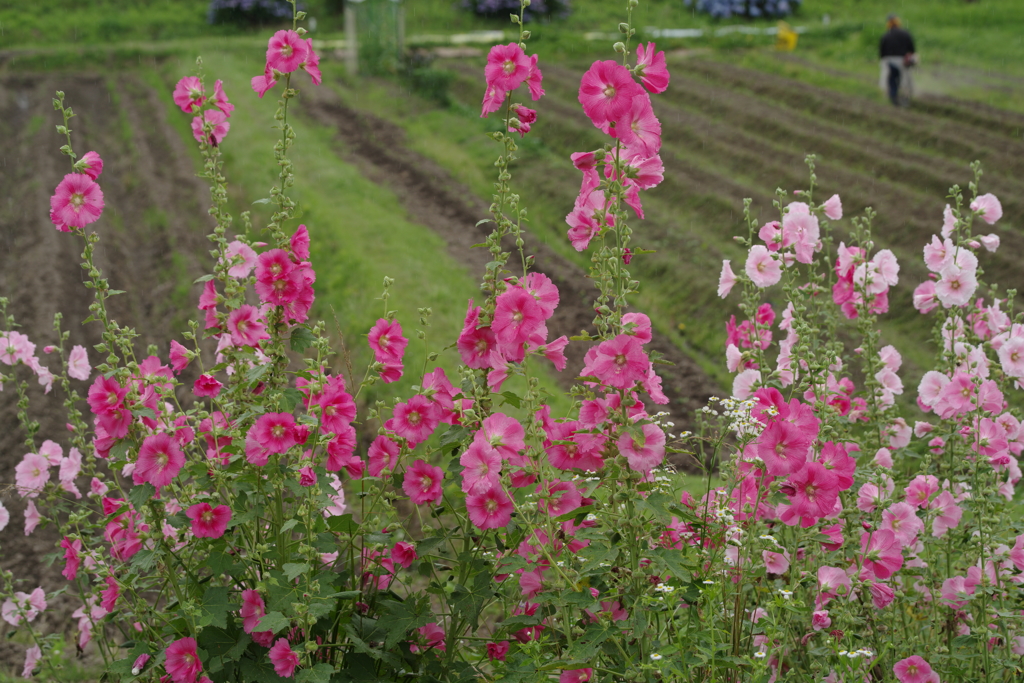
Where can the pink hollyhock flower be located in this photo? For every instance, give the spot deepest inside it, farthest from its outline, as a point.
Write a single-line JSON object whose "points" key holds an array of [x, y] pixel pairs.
{"points": [[140, 664], [883, 556], [800, 228], [14, 347], [606, 93], [815, 490], [517, 317], [493, 99], [902, 520], [619, 362], [207, 521], [1011, 356], [245, 326], [558, 498], [216, 122], [189, 94], [643, 451], [416, 419], [490, 509], [71, 559], [110, 594], [253, 609], [263, 83], [31, 475], [762, 268], [220, 99], [744, 383], [78, 363], [182, 661], [386, 341], [535, 80], [275, 432], [525, 117], [404, 554], [990, 242], [90, 164], [949, 514], [32, 657], [543, 290], [307, 477], [832, 582], [337, 409], [988, 207], [956, 286], [240, 257], [433, 637], [341, 453], [497, 651], [820, 620], [77, 202], [576, 676], [639, 129], [833, 208], [784, 447], [881, 595], [286, 51], [507, 67], [775, 563], [651, 68], [160, 459], [206, 385], [637, 325], [423, 483], [300, 243], [383, 455], [311, 64], [32, 518], [482, 467], [913, 670], [285, 661]]}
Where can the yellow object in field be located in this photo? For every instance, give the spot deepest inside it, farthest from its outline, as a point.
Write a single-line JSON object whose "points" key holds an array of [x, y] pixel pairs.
{"points": [[786, 38]]}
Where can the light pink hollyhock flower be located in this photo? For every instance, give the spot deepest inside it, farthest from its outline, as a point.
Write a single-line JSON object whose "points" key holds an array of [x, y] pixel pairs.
{"points": [[832, 582], [253, 609], [988, 207], [90, 164], [217, 123], [189, 94], [956, 286], [762, 268], [337, 506], [77, 202], [956, 396], [887, 267], [182, 661], [820, 620], [833, 208], [482, 467], [507, 67], [726, 280], [1016, 553], [606, 93], [1011, 356], [423, 483], [246, 327], [383, 455], [619, 362], [743, 384], [990, 242], [32, 657], [490, 509], [902, 520], [881, 595], [160, 460], [643, 452], [775, 563], [206, 386], [31, 475], [733, 358], [949, 514], [241, 257], [883, 556], [286, 51], [800, 228], [386, 341], [208, 521], [913, 670], [930, 387], [32, 518], [78, 363], [948, 221], [925, 300], [651, 68], [576, 676]]}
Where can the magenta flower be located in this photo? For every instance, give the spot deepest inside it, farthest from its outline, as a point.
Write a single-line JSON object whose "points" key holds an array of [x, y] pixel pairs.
{"points": [[883, 556], [481, 467], [517, 317], [286, 51], [507, 67], [71, 558], [423, 483], [497, 651], [189, 94], [416, 419], [558, 497], [31, 475], [90, 164], [639, 129], [403, 554], [275, 432], [311, 64], [77, 202], [245, 326], [619, 362], [576, 676], [490, 509], [535, 80], [814, 490], [386, 341], [206, 386], [218, 125], [643, 451], [182, 661], [914, 670], [285, 661], [110, 594], [220, 99], [263, 83], [160, 460], [606, 93], [207, 521], [253, 609], [651, 68], [383, 455]]}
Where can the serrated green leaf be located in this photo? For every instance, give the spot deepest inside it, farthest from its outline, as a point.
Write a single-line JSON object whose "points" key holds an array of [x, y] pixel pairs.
{"points": [[144, 412], [321, 673], [144, 560], [452, 437], [141, 494], [216, 605], [427, 545], [402, 617], [342, 524], [257, 371], [220, 563], [673, 560], [573, 514], [273, 621], [293, 569], [511, 399], [260, 671], [586, 647], [301, 339]]}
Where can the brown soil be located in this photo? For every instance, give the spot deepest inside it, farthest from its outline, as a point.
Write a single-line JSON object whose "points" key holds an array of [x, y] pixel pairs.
{"points": [[153, 227]]}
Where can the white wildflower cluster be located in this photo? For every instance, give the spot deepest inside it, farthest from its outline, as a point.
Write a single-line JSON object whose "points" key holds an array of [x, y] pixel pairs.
{"points": [[854, 654], [661, 419], [737, 413], [734, 535], [664, 588], [772, 540]]}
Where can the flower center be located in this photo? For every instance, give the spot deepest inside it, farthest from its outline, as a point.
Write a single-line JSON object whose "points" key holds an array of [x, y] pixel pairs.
{"points": [[508, 66], [491, 506], [162, 459], [426, 482], [414, 418], [286, 50], [609, 91], [620, 359], [517, 316], [77, 200], [277, 431]]}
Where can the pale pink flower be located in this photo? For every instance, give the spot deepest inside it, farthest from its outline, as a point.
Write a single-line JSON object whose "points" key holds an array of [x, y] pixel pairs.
{"points": [[32, 657], [948, 221], [931, 386], [743, 384], [820, 620], [1011, 356], [938, 255], [925, 300], [800, 228], [726, 280], [337, 499], [32, 517], [77, 202], [240, 257], [762, 268], [286, 51], [882, 556], [883, 458], [733, 358], [901, 519], [956, 285], [78, 363], [775, 563], [887, 267], [31, 475], [913, 670], [949, 514], [988, 207], [833, 208], [833, 581]]}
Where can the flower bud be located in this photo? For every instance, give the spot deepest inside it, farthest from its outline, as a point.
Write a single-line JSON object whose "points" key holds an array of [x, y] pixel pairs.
{"points": [[619, 47]]}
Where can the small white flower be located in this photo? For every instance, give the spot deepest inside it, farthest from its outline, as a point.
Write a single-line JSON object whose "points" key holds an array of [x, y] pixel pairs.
{"points": [[760, 655], [655, 657], [709, 583], [786, 595]]}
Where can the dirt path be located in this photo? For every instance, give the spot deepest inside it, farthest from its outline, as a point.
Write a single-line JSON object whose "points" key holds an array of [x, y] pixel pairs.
{"points": [[152, 229]]}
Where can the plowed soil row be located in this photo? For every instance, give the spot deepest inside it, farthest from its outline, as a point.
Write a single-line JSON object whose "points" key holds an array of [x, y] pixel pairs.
{"points": [[152, 230]]}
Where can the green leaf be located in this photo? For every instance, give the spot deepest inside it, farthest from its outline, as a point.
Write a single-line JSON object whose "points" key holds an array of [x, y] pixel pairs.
{"points": [[452, 437], [220, 563], [360, 645], [321, 673], [141, 494], [342, 524], [144, 412], [586, 648], [257, 371], [572, 514], [511, 399], [301, 339], [293, 569], [204, 278], [216, 606], [401, 619], [260, 671], [265, 200], [289, 525], [120, 450], [273, 621], [427, 545], [218, 641], [673, 560], [291, 398], [144, 560]]}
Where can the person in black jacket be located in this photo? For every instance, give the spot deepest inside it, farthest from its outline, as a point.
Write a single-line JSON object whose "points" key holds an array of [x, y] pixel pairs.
{"points": [[897, 54]]}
